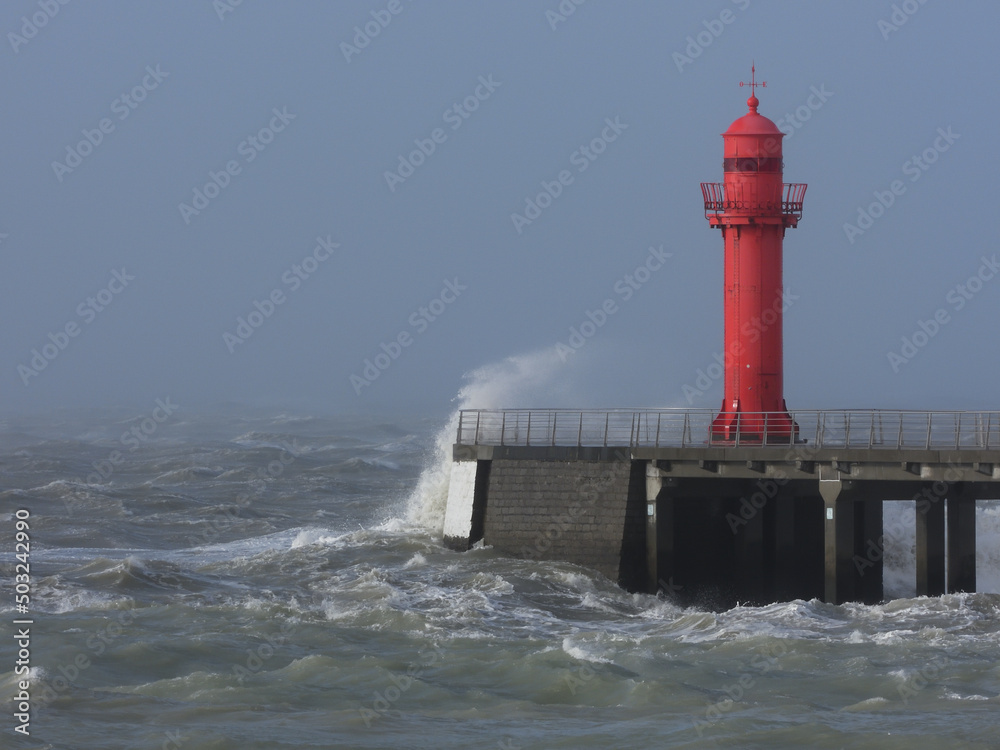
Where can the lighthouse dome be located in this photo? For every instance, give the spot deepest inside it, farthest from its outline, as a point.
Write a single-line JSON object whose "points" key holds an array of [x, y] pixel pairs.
{"points": [[752, 123]]}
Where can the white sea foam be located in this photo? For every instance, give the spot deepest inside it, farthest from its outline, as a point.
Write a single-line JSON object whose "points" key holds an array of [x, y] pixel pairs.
{"points": [[586, 650], [953, 696], [417, 561], [536, 378], [308, 537], [868, 704]]}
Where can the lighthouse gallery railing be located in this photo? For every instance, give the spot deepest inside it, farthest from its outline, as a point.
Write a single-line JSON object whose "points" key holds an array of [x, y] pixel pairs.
{"points": [[718, 199], [691, 428]]}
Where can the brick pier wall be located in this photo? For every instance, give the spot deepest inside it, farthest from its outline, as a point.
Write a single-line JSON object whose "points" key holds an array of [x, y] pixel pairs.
{"points": [[592, 513]]}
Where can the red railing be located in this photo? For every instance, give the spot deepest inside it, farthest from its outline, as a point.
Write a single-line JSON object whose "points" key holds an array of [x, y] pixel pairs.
{"points": [[717, 200]]}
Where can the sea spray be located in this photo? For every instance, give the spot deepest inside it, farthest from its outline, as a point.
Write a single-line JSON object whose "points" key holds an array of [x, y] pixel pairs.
{"points": [[522, 380], [899, 545], [899, 548], [426, 506]]}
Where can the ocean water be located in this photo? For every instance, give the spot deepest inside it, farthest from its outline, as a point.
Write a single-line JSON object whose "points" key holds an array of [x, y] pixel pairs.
{"points": [[251, 580]]}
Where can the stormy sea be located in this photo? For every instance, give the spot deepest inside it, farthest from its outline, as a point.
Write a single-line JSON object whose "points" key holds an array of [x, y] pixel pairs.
{"points": [[243, 579]]}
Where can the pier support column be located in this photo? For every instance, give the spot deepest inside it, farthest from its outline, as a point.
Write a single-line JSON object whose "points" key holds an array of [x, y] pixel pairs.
{"points": [[786, 569], [659, 532], [839, 531], [466, 504], [868, 550], [753, 575], [930, 547], [961, 541]]}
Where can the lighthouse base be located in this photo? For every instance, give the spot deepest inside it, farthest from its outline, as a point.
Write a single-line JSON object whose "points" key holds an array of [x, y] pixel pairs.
{"points": [[734, 426]]}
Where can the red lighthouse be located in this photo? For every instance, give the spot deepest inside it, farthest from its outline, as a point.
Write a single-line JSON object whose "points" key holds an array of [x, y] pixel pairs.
{"points": [[753, 207]]}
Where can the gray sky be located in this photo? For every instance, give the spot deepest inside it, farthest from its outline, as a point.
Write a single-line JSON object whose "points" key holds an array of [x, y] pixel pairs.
{"points": [[430, 262]]}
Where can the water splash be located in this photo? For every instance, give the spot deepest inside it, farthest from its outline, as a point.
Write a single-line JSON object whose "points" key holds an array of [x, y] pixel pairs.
{"points": [[524, 380]]}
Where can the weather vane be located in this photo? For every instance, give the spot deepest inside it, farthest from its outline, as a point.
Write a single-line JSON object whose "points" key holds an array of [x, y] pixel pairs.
{"points": [[753, 80]]}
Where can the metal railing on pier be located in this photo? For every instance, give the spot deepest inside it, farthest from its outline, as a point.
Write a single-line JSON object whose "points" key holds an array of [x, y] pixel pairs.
{"points": [[692, 428]]}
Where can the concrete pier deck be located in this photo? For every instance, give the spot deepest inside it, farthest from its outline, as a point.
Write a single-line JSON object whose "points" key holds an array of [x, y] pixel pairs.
{"points": [[645, 497]]}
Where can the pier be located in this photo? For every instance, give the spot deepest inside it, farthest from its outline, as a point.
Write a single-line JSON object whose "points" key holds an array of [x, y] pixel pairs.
{"points": [[660, 500], [753, 503]]}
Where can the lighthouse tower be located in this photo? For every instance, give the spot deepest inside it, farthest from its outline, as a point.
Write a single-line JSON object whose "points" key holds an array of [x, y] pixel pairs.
{"points": [[753, 207]]}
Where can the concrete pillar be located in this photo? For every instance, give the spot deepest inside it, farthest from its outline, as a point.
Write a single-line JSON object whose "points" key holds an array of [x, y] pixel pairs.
{"points": [[704, 549], [840, 574], [480, 498], [930, 547], [632, 568], [654, 483], [753, 579], [660, 569], [868, 550], [961, 541], [785, 567]]}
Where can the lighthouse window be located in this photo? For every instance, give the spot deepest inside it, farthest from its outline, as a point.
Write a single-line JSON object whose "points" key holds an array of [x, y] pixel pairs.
{"points": [[748, 164]]}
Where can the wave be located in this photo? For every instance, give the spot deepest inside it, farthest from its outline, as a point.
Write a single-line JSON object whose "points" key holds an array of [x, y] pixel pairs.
{"points": [[523, 380]]}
